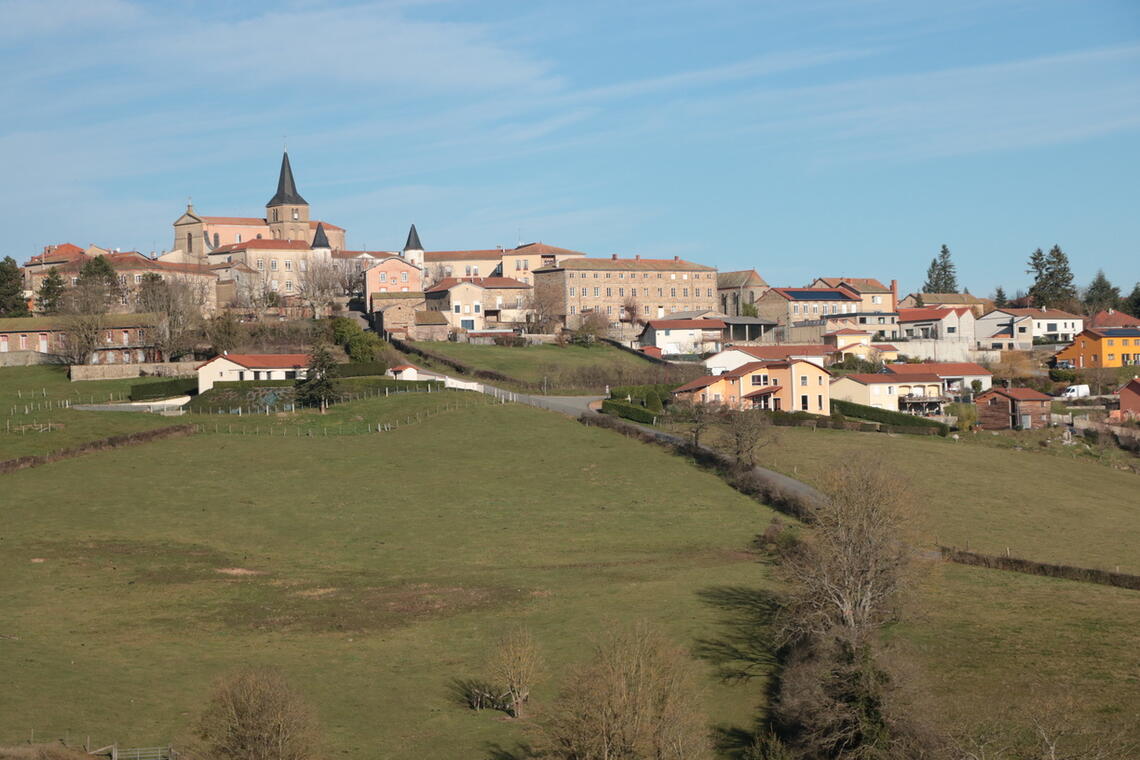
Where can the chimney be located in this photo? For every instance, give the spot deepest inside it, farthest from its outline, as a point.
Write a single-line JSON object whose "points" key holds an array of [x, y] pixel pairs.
{"points": [[676, 258], [637, 257], [894, 295], [613, 256]]}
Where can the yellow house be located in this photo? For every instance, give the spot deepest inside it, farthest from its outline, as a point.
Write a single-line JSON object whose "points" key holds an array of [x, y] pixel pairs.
{"points": [[1103, 347], [791, 386], [914, 394]]}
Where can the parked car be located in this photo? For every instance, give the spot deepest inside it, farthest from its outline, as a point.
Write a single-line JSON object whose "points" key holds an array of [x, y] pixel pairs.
{"points": [[1075, 391]]}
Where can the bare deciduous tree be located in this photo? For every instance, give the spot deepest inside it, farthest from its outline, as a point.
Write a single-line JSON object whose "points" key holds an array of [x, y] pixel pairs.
{"points": [[257, 715], [748, 430], [543, 306], [177, 304], [516, 665], [638, 698], [698, 415], [631, 308], [319, 284]]}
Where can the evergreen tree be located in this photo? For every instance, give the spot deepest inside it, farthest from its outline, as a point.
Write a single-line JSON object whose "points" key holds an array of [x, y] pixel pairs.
{"points": [[1052, 279], [919, 301], [1101, 294], [49, 299], [1131, 305], [933, 278], [947, 272], [317, 387], [96, 289], [1000, 300], [12, 302]]}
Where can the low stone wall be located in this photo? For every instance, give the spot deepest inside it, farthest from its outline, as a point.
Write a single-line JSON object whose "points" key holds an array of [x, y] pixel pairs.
{"points": [[118, 371], [27, 359]]}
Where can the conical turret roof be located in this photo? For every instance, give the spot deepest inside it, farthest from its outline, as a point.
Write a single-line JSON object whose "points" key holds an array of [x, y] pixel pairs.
{"points": [[413, 243], [286, 188], [320, 239]]}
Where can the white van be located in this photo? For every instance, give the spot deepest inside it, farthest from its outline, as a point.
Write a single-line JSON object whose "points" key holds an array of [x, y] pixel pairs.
{"points": [[1075, 391]]}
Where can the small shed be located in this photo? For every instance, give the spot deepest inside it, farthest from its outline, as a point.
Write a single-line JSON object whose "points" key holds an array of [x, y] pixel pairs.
{"points": [[1013, 409]]}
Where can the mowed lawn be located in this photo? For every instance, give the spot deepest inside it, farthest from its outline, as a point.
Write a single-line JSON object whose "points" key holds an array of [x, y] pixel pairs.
{"points": [[371, 569], [533, 363], [1042, 507], [36, 420]]}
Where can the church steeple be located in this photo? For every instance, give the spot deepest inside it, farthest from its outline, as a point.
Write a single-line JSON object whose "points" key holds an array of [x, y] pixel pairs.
{"points": [[320, 239], [413, 243], [287, 194]]}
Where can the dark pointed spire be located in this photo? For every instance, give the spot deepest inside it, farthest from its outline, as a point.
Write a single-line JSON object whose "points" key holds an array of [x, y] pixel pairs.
{"points": [[413, 243], [320, 240], [286, 188]]}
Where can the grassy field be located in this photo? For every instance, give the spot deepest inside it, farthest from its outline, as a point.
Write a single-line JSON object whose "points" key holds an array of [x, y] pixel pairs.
{"points": [[37, 422], [373, 569], [1046, 508], [573, 367]]}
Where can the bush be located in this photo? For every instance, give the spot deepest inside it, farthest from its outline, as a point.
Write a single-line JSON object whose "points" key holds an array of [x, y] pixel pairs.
{"points": [[510, 341], [179, 386], [1063, 376], [363, 347], [896, 419], [361, 369], [653, 402], [628, 411], [344, 329], [640, 393]]}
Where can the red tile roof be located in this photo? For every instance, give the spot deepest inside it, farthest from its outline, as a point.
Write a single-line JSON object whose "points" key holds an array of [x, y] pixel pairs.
{"points": [[636, 264], [765, 391], [264, 361], [700, 382], [61, 252], [848, 331], [447, 283], [1020, 394], [686, 324], [750, 367], [264, 244], [402, 367], [441, 256], [1040, 313], [860, 284], [783, 351], [941, 369], [881, 379], [1112, 318]]}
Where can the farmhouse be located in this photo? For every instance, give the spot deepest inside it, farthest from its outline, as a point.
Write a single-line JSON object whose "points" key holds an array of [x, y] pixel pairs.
{"points": [[1013, 409], [236, 367], [121, 339], [683, 336]]}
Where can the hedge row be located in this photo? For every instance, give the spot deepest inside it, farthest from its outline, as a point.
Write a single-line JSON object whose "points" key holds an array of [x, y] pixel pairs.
{"points": [[629, 411], [361, 369], [458, 366], [101, 444], [1030, 567], [894, 419], [179, 386], [639, 392]]}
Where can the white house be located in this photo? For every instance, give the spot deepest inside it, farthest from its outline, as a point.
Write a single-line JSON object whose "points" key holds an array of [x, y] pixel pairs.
{"points": [[236, 367], [1051, 325], [957, 377], [956, 323], [683, 336]]}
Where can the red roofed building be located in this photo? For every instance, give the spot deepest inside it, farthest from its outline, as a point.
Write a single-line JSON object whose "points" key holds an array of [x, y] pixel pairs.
{"points": [[683, 336], [955, 323], [1013, 409], [1112, 318], [480, 303], [1130, 399], [237, 367], [918, 394], [794, 385], [735, 356], [958, 376]]}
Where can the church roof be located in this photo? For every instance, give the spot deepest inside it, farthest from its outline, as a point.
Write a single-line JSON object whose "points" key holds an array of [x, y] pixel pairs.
{"points": [[286, 187], [413, 243]]}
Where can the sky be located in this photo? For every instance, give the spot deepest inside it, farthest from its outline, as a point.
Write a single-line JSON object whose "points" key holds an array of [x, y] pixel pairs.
{"points": [[801, 139]]}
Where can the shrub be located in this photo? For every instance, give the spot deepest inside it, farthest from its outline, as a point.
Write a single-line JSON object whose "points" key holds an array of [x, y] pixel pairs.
{"points": [[1063, 376], [640, 393], [510, 341], [361, 369], [179, 386], [896, 419], [653, 402], [628, 411], [363, 347], [344, 329]]}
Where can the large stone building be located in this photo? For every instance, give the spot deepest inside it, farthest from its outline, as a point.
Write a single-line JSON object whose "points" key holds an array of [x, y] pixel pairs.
{"points": [[286, 219], [652, 287], [516, 263], [738, 290]]}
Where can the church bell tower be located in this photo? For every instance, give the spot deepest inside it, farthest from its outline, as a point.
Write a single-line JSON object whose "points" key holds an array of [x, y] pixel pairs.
{"points": [[287, 213]]}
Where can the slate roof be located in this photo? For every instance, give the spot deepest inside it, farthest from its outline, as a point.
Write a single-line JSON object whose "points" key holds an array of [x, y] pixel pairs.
{"points": [[286, 188]]}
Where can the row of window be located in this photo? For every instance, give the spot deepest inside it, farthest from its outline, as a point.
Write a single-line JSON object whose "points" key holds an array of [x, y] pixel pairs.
{"points": [[633, 275], [836, 308], [644, 292], [304, 265], [384, 277], [24, 339]]}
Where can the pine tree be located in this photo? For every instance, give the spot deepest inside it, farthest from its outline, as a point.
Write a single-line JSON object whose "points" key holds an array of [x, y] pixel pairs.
{"points": [[919, 301], [1052, 279], [1101, 294], [1000, 300], [49, 298], [317, 387], [12, 301], [947, 272], [1131, 305], [96, 289], [933, 278]]}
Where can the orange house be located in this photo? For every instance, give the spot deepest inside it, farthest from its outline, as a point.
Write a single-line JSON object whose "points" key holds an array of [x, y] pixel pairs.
{"points": [[792, 386], [1103, 347], [393, 274]]}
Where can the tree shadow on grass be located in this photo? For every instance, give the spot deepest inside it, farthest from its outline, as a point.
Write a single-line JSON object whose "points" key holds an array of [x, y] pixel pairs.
{"points": [[744, 648], [519, 752]]}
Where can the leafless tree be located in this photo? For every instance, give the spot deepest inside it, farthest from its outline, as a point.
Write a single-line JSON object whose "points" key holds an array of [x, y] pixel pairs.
{"points": [[593, 326], [631, 308], [516, 665], [319, 284], [433, 273], [637, 698], [698, 415], [84, 308], [543, 306], [177, 304], [748, 430], [256, 715], [351, 278]]}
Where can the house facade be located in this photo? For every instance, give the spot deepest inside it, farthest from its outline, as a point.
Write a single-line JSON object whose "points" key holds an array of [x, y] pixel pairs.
{"points": [[876, 297], [735, 290], [789, 306], [921, 395], [1013, 409], [1130, 399], [683, 336], [655, 288], [479, 303], [772, 385], [517, 263], [1102, 347], [943, 300], [392, 274], [953, 323], [735, 356], [1044, 325], [238, 367], [123, 338], [957, 377]]}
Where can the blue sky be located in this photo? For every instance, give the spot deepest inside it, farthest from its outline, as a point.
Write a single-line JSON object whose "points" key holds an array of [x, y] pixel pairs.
{"points": [[816, 137]]}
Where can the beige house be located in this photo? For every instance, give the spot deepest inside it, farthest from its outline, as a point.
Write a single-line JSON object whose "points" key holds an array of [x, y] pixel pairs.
{"points": [[913, 394], [515, 263], [654, 288], [239, 367], [876, 297], [738, 289], [394, 314], [477, 304], [790, 306], [683, 336]]}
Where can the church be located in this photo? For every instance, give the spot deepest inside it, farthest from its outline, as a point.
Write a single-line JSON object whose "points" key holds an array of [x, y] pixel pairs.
{"points": [[286, 218]]}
